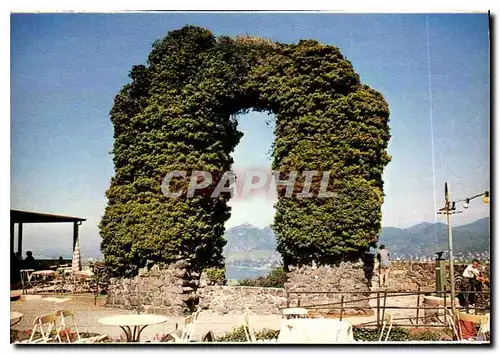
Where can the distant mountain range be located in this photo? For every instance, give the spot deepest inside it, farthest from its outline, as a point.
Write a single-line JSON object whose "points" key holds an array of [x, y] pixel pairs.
{"points": [[247, 242], [425, 238], [251, 251]]}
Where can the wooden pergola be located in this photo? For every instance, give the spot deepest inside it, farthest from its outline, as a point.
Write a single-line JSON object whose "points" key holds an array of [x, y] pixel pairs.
{"points": [[27, 217]]}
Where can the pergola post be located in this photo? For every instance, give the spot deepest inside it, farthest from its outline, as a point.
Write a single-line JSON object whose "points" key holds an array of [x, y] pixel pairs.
{"points": [[11, 237], [20, 238], [75, 234]]}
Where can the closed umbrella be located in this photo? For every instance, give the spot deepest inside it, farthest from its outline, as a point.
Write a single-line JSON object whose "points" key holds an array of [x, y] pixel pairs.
{"points": [[76, 264]]}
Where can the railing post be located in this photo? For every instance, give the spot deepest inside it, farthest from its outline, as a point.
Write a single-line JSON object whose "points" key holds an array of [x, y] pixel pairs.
{"points": [[385, 303], [445, 296], [378, 310], [418, 303], [287, 299], [341, 306]]}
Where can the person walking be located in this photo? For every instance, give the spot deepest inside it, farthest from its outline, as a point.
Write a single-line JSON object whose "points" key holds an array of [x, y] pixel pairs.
{"points": [[384, 265]]}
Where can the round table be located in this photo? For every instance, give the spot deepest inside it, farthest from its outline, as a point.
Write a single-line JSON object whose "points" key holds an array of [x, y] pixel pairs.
{"points": [[16, 317], [315, 331], [139, 322], [295, 312]]}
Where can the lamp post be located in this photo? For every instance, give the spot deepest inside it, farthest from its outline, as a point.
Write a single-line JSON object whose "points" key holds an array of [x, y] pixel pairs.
{"points": [[448, 209]]}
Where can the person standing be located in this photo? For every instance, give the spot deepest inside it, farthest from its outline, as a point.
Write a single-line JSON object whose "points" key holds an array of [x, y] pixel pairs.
{"points": [[384, 265], [471, 283], [29, 262]]}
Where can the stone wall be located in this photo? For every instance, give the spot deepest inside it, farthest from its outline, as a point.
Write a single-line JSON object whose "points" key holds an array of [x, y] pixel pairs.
{"points": [[345, 277], [408, 276], [176, 291], [234, 299], [171, 290]]}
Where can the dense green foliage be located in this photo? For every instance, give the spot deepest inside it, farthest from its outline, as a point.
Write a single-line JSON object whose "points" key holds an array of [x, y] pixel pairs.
{"points": [[275, 279], [238, 335], [373, 334], [178, 114], [397, 334], [216, 275]]}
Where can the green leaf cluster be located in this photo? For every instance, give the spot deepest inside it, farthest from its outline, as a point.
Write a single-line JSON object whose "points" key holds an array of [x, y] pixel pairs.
{"points": [[237, 334], [275, 279], [177, 113], [216, 275]]}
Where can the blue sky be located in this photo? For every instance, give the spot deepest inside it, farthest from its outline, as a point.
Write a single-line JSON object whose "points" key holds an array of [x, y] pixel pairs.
{"points": [[67, 68]]}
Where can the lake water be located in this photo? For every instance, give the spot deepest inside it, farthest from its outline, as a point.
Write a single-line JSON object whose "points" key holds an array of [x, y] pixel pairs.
{"points": [[241, 273]]}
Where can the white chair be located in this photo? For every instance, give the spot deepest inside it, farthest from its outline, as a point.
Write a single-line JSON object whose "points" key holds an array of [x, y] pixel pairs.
{"points": [[387, 322], [64, 316], [249, 331], [451, 319], [188, 330], [44, 325]]}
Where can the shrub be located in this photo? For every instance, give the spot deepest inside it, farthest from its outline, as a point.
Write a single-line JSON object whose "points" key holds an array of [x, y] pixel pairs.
{"points": [[216, 275], [403, 334], [275, 279], [429, 334], [372, 334], [177, 113], [238, 335]]}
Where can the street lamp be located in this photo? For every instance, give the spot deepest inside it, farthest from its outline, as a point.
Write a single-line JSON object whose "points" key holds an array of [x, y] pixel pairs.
{"points": [[449, 209]]}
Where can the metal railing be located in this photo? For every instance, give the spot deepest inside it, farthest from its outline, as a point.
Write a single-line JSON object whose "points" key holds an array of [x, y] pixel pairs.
{"points": [[382, 295]]}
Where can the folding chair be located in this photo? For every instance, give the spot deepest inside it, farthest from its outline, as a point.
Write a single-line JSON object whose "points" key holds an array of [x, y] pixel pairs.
{"points": [[482, 320], [64, 316], [44, 325], [249, 332], [388, 321], [208, 337], [187, 333], [451, 319]]}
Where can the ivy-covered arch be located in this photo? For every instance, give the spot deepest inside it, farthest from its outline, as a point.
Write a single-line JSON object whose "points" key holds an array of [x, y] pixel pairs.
{"points": [[176, 114]]}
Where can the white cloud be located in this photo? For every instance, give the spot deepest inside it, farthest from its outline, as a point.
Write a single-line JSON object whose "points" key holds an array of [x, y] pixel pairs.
{"points": [[258, 211]]}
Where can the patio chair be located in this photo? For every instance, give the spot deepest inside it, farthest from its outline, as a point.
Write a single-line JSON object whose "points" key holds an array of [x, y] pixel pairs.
{"points": [[187, 333], [452, 321], [27, 281], [64, 316], [387, 322], [482, 320], [208, 337], [249, 331], [44, 325]]}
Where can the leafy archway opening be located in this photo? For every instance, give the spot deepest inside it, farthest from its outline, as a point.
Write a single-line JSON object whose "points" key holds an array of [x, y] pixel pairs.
{"points": [[177, 115]]}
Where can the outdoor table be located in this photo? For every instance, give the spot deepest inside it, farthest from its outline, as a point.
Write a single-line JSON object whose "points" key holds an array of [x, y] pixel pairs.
{"points": [[83, 274], [16, 317], [139, 322], [43, 273], [315, 330], [295, 312]]}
